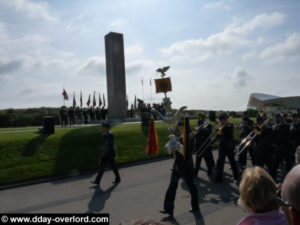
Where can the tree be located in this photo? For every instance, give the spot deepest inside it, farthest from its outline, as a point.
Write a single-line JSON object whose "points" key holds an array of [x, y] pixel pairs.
{"points": [[252, 112]]}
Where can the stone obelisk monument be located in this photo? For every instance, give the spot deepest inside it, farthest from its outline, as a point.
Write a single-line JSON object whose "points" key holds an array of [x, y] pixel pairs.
{"points": [[115, 75]]}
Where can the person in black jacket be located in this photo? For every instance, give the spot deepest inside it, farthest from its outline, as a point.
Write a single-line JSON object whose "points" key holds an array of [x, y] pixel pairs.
{"points": [[282, 150], [295, 136], [245, 128], [263, 144], [226, 148], [108, 155], [181, 168], [202, 138]]}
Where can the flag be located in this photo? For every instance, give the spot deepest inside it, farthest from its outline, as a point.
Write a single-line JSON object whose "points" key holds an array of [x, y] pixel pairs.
{"points": [[74, 100], [152, 147], [186, 139], [66, 97], [80, 99], [134, 102], [104, 103], [89, 101], [100, 102], [94, 100]]}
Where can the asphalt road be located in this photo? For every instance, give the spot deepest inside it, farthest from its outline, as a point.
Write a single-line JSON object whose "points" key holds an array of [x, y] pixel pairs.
{"points": [[139, 195]]}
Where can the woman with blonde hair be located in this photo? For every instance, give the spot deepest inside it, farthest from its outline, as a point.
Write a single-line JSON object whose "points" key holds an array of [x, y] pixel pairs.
{"points": [[258, 195]]}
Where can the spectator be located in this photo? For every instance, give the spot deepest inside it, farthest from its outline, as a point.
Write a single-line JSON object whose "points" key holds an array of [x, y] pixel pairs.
{"points": [[291, 195], [258, 195], [298, 155]]}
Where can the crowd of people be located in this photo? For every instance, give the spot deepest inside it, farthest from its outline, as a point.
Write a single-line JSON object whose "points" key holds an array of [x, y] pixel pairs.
{"points": [[71, 116], [78, 116], [271, 142], [268, 141]]}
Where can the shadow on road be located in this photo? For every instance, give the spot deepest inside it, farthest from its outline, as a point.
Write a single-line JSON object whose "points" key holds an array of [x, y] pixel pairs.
{"points": [[79, 150], [211, 192], [99, 198], [170, 219], [34, 144], [199, 218]]}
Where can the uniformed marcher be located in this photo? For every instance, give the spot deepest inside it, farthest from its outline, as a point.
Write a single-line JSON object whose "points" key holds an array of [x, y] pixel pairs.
{"points": [[71, 115], [181, 168], [226, 148], [245, 128], [63, 116], [108, 155], [295, 136], [263, 144], [201, 137], [282, 149], [85, 115]]}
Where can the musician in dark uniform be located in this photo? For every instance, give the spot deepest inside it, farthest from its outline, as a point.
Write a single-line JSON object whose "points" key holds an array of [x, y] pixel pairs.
{"points": [[108, 155], [282, 149], [85, 115], [63, 116], [295, 136], [226, 148], [181, 168], [202, 139], [245, 128], [263, 144]]}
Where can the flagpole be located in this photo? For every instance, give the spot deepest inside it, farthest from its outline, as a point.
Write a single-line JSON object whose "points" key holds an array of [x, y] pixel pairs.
{"points": [[151, 90], [64, 97], [143, 89]]}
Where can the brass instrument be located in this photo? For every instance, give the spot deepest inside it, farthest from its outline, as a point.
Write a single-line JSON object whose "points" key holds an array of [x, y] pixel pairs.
{"points": [[217, 131], [197, 129], [256, 130]]}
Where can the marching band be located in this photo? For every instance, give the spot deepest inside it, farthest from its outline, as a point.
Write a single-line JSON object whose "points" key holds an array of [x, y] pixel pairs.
{"points": [[269, 141]]}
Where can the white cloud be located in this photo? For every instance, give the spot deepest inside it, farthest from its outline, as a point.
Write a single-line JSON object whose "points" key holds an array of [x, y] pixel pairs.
{"points": [[94, 66], [219, 4], [133, 51], [118, 23], [32, 9], [10, 66], [249, 55], [241, 77], [260, 21], [3, 34], [231, 39], [137, 67], [289, 49]]}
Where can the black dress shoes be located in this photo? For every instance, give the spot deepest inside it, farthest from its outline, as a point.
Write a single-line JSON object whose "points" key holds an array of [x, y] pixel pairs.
{"points": [[116, 181], [166, 212], [194, 210], [94, 182]]}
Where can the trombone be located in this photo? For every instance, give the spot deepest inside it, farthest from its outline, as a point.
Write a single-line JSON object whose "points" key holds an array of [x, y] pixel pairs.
{"points": [[250, 137], [218, 129], [197, 129]]}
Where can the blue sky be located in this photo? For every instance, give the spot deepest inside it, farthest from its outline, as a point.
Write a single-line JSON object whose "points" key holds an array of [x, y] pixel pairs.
{"points": [[219, 51]]}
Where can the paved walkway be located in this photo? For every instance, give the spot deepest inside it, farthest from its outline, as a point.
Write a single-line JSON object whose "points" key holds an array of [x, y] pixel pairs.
{"points": [[139, 195]]}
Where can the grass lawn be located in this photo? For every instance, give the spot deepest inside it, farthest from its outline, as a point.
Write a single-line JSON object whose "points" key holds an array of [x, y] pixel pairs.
{"points": [[19, 128], [31, 155]]}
